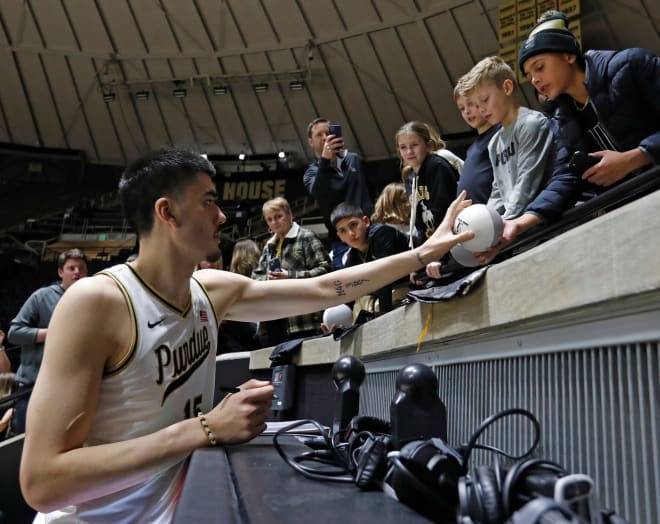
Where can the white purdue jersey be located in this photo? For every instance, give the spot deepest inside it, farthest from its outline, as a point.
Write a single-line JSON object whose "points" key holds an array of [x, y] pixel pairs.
{"points": [[166, 377]]}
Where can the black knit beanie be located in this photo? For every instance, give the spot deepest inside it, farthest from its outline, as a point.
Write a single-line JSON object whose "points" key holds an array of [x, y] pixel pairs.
{"points": [[549, 35]]}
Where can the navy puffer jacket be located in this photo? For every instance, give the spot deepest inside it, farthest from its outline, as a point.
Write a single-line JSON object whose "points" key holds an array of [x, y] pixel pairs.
{"points": [[623, 88]]}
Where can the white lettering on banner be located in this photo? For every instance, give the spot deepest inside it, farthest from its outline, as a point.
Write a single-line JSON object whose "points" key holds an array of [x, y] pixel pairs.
{"points": [[254, 190]]}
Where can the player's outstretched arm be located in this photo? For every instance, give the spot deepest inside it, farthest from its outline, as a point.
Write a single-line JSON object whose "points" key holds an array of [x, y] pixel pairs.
{"points": [[267, 300]]}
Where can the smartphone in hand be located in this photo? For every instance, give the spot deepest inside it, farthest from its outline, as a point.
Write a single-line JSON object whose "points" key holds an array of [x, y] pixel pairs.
{"points": [[274, 264], [335, 129], [581, 161]]}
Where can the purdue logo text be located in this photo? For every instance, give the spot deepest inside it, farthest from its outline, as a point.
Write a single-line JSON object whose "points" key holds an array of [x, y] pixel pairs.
{"points": [[181, 362]]}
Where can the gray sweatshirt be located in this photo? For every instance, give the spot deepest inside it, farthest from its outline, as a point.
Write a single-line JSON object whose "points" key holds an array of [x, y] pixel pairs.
{"points": [[520, 154], [34, 315]]}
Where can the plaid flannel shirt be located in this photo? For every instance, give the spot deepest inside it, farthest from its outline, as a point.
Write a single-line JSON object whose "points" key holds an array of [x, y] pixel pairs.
{"points": [[303, 256]]}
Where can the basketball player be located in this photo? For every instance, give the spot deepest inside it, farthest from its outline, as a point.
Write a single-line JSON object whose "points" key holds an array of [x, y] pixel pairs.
{"points": [[129, 361]]}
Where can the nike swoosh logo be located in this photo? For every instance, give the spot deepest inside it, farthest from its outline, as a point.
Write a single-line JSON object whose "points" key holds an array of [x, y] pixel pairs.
{"points": [[154, 324]]}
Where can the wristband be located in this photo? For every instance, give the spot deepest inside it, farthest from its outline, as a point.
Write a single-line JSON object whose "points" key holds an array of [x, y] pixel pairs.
{"points": [[207, 429]]}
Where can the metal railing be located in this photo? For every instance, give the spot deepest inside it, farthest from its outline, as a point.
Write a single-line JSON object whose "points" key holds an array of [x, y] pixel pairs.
{"points": [[615, 197]]}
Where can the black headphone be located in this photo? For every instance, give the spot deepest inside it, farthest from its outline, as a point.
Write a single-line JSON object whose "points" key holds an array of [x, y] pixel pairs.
{"points": [[361, 425], [424, 475], [479, 496], [357, 454], [368, 443], [489, 496]]}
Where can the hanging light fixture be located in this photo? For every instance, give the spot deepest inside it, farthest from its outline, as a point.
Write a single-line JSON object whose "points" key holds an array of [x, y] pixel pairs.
{"points": [[297, 85], [179, 91]]}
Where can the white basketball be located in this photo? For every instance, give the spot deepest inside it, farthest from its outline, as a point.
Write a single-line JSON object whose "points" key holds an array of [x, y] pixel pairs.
{"points": [[340, 315], [463, 256], [486, 223]]}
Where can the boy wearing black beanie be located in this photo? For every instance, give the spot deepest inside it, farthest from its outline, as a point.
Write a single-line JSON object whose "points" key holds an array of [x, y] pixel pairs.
{"points": [[608, 100]]}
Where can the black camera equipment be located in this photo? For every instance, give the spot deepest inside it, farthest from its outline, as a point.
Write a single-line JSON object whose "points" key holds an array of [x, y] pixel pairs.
{"points": [[347, 374], [416, 411]]}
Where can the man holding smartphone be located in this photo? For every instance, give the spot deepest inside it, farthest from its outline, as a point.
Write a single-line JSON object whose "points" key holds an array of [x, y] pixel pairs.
{"points": [[335, 176]]}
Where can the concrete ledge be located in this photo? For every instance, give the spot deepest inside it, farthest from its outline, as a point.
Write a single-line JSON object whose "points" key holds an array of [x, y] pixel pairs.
{"points": [[594, 271]]}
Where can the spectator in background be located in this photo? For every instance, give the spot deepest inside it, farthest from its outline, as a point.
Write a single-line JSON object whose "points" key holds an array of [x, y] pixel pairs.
{"points": [[236, 335], [7, 381], [30, 327], [5, 363], [430, 179], [477, 174], [607, 105], [369, 242], [521, 151], [292, 252], [335, 176], [245, 257], [393, 207], [607, 100]]}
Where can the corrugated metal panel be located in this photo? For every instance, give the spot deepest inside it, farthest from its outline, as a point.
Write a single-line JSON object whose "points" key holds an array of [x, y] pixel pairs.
{"points": [[598, 409]]}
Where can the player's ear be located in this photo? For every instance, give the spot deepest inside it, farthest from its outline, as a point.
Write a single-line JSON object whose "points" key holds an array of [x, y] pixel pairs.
{"points": [[164, 211]]}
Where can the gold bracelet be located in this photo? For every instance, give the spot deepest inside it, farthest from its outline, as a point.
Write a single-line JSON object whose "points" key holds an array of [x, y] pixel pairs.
{"points": [[419, 257], [207, 429]]}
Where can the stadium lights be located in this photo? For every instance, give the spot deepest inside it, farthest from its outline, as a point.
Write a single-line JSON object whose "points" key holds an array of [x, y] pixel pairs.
{"points": [[241, 156], [111, 79], [142, 95], [296, 85], [109, 97]]}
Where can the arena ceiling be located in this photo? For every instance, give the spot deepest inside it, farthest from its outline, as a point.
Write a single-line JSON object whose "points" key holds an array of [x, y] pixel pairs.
{"points": [[71, 70]]}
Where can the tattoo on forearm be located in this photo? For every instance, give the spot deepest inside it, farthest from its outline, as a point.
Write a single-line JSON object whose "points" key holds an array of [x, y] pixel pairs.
{"points": [[341, 288]]}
